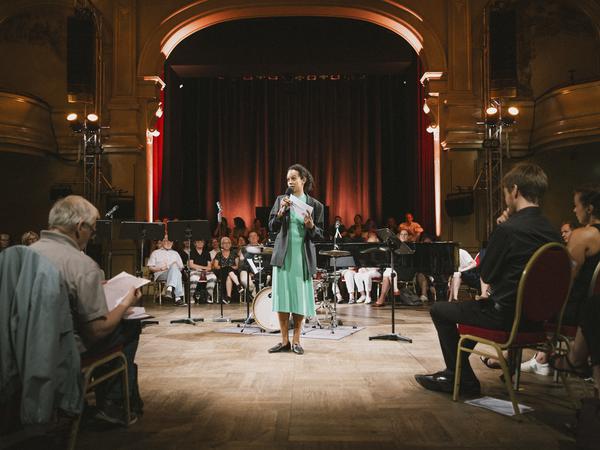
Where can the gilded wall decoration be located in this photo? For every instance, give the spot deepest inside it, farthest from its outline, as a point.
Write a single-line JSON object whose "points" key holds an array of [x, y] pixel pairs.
{"points": [[42, 27]]}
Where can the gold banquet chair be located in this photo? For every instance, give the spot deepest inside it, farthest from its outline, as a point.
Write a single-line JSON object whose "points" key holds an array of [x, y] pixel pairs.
{"points": [[543, 289]]}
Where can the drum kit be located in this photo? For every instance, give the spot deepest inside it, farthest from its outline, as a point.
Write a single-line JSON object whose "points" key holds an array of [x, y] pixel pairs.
{"points": [[325, 304]]}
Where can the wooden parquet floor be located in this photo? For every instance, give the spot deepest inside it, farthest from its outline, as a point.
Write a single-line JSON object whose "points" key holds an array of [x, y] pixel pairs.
{"points": [[204, 389]]}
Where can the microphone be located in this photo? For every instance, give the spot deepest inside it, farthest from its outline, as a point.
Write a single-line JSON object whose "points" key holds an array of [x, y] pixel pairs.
{"points": [[113, 210], [287, 194]]}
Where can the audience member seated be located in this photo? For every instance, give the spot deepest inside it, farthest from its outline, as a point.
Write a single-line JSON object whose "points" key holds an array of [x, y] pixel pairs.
{"points": [[222, 229], [369, 228], [355, 234], [386, 281], [357, 224], [413, 228], [342, 228], [424, 281], [372, 236], [200, 265], [215, 248], [262, 232], [239, 229], [71, 224], [521, 231], [364, 283], [245, 270], [166, 264], [225, 265], [4, 241], [584, 248], [566, 228], [391, 224], [29, 237], [467, 272]]}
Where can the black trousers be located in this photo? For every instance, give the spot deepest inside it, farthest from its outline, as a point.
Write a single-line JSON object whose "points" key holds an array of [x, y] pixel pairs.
{"points": [[446, 316], [126, 334]]}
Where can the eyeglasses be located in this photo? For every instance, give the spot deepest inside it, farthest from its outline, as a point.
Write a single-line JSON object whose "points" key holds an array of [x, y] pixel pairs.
{"points": [[92, 229]]}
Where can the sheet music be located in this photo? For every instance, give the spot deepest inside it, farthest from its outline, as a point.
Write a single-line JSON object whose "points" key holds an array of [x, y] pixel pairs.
{"points": [[300, 207], [117, 288]]}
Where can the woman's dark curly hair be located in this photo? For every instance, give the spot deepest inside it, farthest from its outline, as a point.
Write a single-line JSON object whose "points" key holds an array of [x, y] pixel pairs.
{"points": [[305, 175]]}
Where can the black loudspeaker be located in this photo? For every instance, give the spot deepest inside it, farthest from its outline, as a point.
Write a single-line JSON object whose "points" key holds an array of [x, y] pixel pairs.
{"points": [[459, 204], [503, 51], [81, 56], [126, 204]]}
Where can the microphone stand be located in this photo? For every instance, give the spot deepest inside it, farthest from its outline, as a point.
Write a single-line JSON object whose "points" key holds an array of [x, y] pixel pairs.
{"points": [[221, 318]]}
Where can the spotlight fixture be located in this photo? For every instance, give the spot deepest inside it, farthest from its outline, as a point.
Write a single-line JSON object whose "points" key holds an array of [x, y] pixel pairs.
{"points": [[154, 133], [74, 123], [513, 111], [491, 111], [91, 117], [71, 117], [159, 111]]}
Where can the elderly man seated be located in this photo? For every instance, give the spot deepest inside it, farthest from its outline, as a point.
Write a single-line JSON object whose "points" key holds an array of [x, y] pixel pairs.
{"points": [[166, 264], [71, 224]]}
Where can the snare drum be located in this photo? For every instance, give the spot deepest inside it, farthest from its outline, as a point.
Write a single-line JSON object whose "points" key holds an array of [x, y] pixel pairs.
{"points": [[262, 309]]}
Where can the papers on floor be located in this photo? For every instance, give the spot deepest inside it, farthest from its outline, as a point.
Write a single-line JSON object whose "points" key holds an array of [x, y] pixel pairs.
{"points": [[299, 207], [117, 288], [503, 407]]}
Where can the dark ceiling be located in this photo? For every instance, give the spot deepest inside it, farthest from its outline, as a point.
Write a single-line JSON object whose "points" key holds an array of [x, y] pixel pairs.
{"points": [[291, 45]]}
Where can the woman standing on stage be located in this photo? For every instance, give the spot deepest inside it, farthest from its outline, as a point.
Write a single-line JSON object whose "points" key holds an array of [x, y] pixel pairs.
{"points": [[294, 257]]}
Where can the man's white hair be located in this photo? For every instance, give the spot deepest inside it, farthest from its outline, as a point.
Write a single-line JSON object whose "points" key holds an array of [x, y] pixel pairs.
{"points": [[68, 212]]}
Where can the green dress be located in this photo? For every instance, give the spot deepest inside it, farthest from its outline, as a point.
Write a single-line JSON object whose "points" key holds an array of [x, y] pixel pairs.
{"points": [[292, 289]]}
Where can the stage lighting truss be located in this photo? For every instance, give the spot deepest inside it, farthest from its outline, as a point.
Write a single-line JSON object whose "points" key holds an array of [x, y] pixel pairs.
{"points": [[498, 118], [89, 153]]}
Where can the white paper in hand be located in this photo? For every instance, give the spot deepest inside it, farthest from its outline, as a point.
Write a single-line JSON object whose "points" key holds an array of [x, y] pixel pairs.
{"points": [[300, 207], [117, 288]]}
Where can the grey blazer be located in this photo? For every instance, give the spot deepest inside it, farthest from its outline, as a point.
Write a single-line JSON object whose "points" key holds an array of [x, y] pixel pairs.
{"points": [[280, 226]]}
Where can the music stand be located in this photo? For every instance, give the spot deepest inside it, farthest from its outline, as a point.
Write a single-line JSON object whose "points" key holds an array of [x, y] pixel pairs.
{"points": [[140, 231], [394, 246], [183, 230]]}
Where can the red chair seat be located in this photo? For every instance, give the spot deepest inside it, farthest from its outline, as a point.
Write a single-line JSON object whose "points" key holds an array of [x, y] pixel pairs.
{"points": [[522, 337]]}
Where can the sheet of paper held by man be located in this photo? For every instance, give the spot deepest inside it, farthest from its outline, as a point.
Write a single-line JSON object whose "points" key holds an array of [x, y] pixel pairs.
{"points": [[300, 207], [117, 288]]}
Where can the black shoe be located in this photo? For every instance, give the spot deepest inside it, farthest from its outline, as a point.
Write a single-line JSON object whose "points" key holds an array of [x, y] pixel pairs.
{"points": [[240, 289], [444, 382], [112, 413], [180, 302], [297, 349], [280, 348]]}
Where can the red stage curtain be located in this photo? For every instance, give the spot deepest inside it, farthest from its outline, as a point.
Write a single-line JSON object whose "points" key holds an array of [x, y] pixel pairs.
{"points": [[363, 139]]}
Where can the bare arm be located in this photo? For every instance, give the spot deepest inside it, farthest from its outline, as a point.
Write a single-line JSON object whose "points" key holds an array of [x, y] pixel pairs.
{"points": [[578, 247], [194, 266]]}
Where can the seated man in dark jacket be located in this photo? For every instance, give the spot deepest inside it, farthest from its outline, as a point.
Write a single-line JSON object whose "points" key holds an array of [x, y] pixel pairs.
{"points": [[521, 231]]}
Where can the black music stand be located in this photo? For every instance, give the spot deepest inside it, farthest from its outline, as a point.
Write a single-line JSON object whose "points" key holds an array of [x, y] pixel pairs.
{"points": [[104, 234], [183, 230], [394, 246], [140, 231]]}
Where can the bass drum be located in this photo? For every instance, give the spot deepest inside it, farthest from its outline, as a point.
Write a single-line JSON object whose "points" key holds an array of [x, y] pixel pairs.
{"points": [[262, 309]]}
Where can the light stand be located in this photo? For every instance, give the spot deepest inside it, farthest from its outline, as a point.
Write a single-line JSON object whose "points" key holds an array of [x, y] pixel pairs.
{"points": [[183, 230], [392, 242]]}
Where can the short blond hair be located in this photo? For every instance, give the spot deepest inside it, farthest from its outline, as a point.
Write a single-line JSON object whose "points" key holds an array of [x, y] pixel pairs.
{"points": [[70, 211]]}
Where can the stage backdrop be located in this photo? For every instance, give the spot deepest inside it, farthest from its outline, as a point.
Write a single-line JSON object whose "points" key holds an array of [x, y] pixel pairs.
{"points": [[232, 140]]}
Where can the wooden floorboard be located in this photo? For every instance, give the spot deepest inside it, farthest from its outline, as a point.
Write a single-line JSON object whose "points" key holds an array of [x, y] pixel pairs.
{"points": [[204, 389]]}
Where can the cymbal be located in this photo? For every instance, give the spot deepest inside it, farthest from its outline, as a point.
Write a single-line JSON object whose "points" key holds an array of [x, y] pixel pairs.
{"points": [[334, 253], [375, 250], [259, 250]]}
